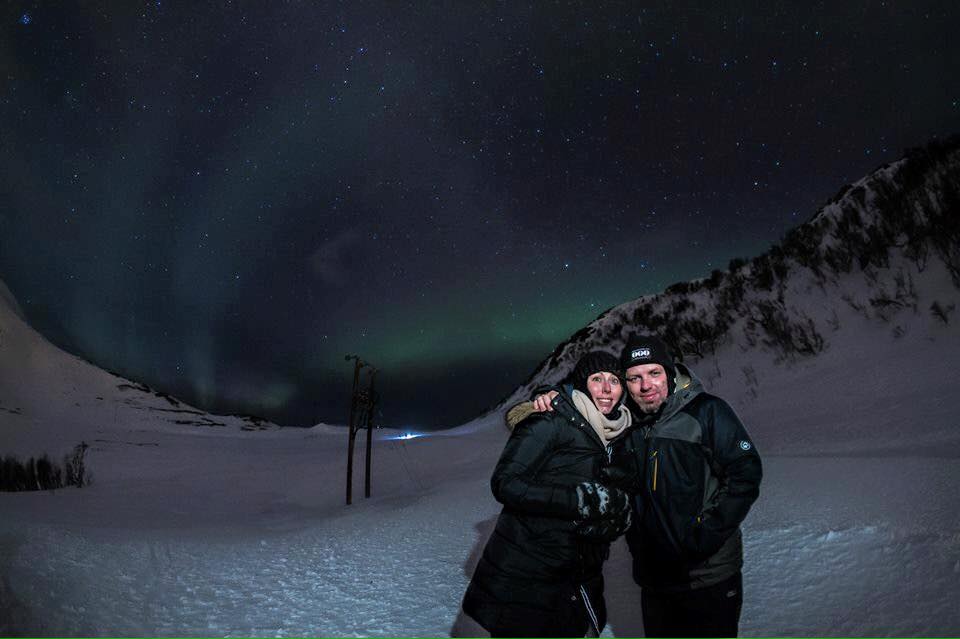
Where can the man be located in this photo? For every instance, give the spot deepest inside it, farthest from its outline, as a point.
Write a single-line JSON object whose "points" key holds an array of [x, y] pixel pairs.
{"points": [[694, 473]]}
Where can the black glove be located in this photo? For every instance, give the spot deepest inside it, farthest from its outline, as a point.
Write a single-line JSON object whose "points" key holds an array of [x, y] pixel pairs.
{"points": [[606, 529], [596, 501]]}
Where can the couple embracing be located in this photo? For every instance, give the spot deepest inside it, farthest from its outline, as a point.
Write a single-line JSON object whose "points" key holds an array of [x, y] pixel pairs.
{"points": [[661, 460]]}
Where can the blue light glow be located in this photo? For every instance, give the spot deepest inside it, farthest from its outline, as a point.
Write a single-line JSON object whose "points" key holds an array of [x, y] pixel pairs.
{"points": [[406, 435]]}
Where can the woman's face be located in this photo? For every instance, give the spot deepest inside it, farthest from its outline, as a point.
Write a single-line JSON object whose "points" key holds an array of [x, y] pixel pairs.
{"points": [[605, 391]]}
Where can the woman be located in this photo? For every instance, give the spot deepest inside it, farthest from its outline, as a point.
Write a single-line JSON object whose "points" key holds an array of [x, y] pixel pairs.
{"points": [[540, 573]]}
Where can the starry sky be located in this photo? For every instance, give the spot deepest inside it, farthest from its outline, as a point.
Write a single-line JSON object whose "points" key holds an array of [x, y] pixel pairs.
{"points": [[224, 199]]}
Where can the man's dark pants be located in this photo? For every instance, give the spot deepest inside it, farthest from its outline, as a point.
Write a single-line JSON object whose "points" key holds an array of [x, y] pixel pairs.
{"points": [[713, 611]]}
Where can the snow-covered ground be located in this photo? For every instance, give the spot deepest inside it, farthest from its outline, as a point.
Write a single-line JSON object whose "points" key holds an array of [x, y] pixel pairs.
{"points": [[247, 534], [228, 535]]}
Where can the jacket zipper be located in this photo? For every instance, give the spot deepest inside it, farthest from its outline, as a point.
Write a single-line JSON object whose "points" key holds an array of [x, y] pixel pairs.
{"points": [[656, 506], [656, 469]]}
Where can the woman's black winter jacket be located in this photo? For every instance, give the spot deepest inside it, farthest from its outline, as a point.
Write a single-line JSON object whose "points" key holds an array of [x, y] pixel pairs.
{"points": [[528, 580]]}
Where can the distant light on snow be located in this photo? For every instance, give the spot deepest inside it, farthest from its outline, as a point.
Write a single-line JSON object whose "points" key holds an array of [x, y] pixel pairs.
{"points": [[407, 435]]}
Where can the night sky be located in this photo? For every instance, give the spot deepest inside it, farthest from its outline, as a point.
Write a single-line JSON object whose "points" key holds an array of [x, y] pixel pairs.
{"points": [[225, 199]]}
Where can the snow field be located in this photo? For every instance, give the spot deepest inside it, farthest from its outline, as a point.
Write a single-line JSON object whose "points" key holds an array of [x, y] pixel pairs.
{"points": [[835, 546], [358, 574], [864, 581]]}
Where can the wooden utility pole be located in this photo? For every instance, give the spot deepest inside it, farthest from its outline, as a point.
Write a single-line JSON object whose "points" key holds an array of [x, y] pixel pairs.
{"points": [[370, 413], [358, 364]]}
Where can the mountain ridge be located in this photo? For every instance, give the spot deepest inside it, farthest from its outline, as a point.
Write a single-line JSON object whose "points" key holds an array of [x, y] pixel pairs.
{"points": [[880, 261]]}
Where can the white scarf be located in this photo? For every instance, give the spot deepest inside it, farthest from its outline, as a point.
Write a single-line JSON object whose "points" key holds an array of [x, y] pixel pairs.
{"points": [[606, 428]]}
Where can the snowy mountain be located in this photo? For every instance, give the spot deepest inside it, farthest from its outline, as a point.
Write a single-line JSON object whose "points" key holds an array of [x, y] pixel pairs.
{"points": [[49, 397], [858, 304]]}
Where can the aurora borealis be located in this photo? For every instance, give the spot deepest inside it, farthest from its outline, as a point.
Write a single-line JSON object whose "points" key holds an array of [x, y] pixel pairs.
{"points": [[223, 199]]}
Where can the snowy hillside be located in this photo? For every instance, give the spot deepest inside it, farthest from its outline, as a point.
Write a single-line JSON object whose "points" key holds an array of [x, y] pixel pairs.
{"points": [[836, 348], [52, 400], [858, 304]]}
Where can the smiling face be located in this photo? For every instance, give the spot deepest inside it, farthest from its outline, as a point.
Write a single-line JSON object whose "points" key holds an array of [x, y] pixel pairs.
{"points": [[605, 390], [647, 384]]}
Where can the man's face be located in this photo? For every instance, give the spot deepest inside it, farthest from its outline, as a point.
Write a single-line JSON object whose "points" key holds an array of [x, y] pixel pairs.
{"points": [[647, 384]]}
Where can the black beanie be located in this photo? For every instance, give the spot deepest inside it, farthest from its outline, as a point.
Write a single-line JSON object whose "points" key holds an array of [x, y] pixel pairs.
{"points": [[593, 362], [648, 349]]}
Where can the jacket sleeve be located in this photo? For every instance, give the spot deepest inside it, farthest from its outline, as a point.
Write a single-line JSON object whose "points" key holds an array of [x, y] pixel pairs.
{"points": [[735, 462], [518, 413], [563, 387], [514, 482]]}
